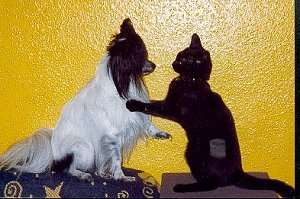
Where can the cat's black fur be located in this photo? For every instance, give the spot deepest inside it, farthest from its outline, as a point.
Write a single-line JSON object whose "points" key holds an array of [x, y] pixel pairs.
{"points": [[213, 152]]}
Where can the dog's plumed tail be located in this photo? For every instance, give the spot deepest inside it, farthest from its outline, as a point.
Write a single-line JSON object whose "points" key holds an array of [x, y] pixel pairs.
{"points": [[33, 155]]}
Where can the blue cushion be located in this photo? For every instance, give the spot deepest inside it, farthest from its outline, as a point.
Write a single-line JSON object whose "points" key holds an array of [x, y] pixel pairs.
{"points": [[63, 185]]}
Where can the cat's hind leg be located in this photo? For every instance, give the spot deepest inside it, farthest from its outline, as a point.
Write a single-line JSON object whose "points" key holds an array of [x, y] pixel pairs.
{"points": [[195, 187], [202, 184]]}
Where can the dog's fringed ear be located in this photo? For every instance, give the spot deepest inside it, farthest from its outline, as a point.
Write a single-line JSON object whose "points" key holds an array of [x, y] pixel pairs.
{"points": [[195, 43], [127, 27]]}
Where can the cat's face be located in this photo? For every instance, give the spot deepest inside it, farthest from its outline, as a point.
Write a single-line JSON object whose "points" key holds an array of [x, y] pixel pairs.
{"points": [[193, 61]]}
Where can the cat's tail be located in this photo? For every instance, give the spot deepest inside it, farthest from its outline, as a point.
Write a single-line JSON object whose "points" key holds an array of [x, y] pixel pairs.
{"points": [[32, 155], [250, 182]]}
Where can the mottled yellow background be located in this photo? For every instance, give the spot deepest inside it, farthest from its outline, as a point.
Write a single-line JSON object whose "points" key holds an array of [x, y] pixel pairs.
{"points": [[49, 49]]}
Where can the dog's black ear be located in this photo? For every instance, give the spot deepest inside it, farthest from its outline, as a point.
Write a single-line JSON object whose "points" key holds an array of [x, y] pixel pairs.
{"points": [[195, 43], [127, 27]]}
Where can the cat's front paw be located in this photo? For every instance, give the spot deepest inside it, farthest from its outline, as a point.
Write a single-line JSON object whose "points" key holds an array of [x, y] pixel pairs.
{"points": [[134, 105], [162, 135]]}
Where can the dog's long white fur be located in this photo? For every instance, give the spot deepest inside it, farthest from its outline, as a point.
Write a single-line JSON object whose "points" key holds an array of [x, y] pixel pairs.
{"points": [[95, 126]]}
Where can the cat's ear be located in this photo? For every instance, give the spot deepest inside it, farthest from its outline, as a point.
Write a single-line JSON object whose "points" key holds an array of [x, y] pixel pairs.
{"points": [[127, 27], [195, 43]]}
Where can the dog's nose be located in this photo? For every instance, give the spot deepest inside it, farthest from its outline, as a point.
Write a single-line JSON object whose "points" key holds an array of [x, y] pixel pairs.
{"points": [[149, 67], [152, 65]]}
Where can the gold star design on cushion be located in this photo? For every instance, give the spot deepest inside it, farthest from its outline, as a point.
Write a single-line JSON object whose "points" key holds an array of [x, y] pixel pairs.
{"points": [[148, 179], [50, 193]]}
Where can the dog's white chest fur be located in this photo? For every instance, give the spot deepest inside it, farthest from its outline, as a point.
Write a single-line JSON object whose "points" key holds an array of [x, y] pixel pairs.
{"points": [[95, 114]]}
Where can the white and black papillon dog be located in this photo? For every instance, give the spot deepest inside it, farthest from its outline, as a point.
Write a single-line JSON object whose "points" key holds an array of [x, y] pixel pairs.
{"points": [[95, 130]]}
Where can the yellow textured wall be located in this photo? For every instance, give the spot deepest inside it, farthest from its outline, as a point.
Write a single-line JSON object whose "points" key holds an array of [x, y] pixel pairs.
{"points": [[49, 49]]}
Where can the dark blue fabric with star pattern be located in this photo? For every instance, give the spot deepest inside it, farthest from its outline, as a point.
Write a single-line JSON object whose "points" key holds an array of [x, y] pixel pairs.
{"points": [[63, 185]]}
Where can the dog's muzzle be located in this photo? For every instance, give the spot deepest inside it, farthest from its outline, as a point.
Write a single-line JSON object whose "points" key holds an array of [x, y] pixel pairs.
{"points": [[148, 68]]}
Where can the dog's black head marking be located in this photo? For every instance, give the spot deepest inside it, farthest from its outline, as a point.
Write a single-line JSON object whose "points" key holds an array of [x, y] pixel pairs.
{"points": [[127, 27], [128, 59]]}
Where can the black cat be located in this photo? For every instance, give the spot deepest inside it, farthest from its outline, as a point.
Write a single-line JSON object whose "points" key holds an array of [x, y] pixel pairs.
{"points": [[213, 152]]}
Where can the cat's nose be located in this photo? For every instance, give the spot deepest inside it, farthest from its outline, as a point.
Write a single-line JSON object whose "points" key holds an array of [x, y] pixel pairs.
{"points": [[176, 63]]}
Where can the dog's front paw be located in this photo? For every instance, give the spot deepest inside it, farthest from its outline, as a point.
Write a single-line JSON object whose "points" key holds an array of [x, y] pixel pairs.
{"points": [[106, 175], [128, 179], [162, 135], [134, 105], [86, 177]]}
